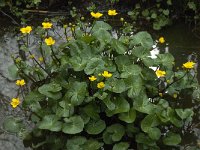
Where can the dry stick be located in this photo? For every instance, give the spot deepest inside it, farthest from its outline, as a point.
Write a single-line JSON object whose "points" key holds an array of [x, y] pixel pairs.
{"points": [[15, 22]]}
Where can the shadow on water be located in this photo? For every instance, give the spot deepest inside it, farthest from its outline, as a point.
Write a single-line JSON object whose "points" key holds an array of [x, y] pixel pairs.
{"points": [[181, 43]]}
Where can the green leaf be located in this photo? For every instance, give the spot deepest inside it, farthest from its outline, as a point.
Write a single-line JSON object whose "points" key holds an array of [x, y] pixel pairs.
{"points": [[92, 110], [103, 36], [94, 65], [77, 92], [76, 143], [128, 117], [65, 109], [140, 52], [169, 2], [32, 97], [192, 5], [131, 70], [51, 90], [121, 105], [154, 133], [101, 25], [117, 86], [142, 104], [121, 146], [166, 12], [92, 144], [122, 61], [144, 139], [134, 84], [166, 60], [12, 124], [36, 1], [110, 105], [173, 117], [148, 123], [95, 126], [13, 71], [118, 46], [50, 122], [172, 139], [143, 38], [153, 15], [87, 38], [73, 125], [78, 63], [145, 13], [113, 133], [184, 113]]}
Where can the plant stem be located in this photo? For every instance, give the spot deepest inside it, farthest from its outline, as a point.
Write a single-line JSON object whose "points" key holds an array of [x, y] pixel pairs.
{"points": [[55, 56]]}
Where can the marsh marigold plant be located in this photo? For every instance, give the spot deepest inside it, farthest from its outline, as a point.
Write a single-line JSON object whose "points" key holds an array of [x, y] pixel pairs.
{"points": [[97, 91]]}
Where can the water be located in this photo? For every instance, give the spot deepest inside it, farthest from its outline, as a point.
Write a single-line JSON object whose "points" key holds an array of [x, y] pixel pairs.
{"points": [[181, 42]]}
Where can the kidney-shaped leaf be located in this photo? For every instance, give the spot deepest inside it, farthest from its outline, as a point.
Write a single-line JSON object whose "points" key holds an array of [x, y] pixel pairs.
{"points": [[50, 122], [12, 124], [143, 38], [77, 93], [128, 117], [121, 105], [51, 90], [172, 139], [73, 125], [121, 146], [95, 126]]}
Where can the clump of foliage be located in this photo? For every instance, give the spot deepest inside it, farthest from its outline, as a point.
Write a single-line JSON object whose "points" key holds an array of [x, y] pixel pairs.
{"points": [[87, 89], [159, 14], [16, 7]]}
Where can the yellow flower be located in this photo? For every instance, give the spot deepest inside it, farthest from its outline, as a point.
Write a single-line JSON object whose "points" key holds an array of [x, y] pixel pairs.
{"points": [[50, 41], [47, 25], [101, 85], [188, 65], [92, 78], [20, 82], [112, 12], [17, 60], [106, 74], [26, 29], [15, 102], [96, 15], [161, 40], [121, 19], [175, 95], [41, 59], [168, 81], [161, 94], [32, 56], [160, 73]]}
